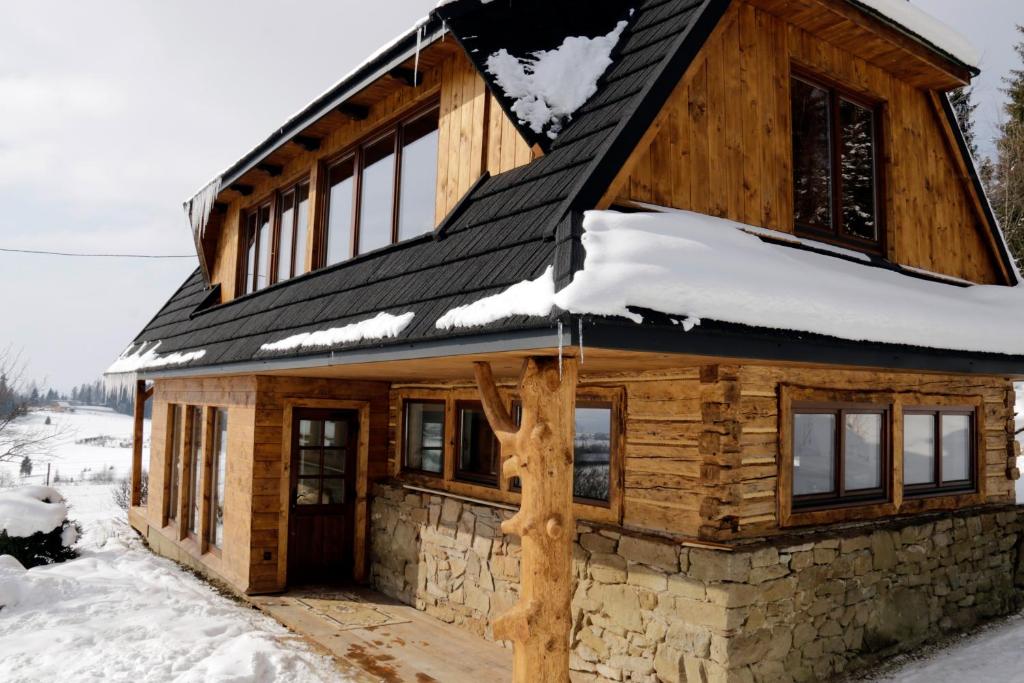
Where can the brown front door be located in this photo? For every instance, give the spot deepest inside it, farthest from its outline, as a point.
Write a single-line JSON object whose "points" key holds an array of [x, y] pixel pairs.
{"points": [[323, 491]]}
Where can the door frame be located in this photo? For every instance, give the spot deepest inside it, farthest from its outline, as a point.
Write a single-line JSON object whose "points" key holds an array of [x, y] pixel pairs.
{"points": [[360, 525]]}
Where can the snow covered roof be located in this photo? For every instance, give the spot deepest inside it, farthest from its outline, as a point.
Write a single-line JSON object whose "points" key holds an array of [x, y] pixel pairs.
{"points": [[700, 267], [517, 234], [917, 22]]}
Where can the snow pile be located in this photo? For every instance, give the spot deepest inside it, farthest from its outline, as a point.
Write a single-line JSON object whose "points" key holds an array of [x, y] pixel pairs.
{"points": [[32, 509], [532, 297], [550, 85], [926, 27], [381, 326], [146, 358], [689, 264], [121, 613]]}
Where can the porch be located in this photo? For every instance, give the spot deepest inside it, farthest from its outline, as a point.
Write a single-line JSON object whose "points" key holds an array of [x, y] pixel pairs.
{"points": [[378, 639]]}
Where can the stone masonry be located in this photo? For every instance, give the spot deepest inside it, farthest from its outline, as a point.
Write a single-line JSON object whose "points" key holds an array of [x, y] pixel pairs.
{"points": [[802, 608]]}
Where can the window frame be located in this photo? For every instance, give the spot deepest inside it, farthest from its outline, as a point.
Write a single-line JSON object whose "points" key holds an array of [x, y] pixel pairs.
{"points": [[901, 400], [404, 441], [276, 227], [838, 235], [463, 475], [191, 524], [839, 497], [609, 511], [394, 128], [940, 487], [173, 460], [212, 477], [243, 285]]}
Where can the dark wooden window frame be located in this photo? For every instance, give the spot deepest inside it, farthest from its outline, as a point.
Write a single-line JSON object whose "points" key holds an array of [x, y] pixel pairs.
{"points": [[940, 487], [244, 285], [354, 153], [405, 437], [839, 497], [460, 474], [320, 415], [278, 203], [837, 234]]}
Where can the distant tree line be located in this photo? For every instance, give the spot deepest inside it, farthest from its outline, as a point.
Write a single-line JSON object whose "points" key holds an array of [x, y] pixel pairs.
{"points": [[120, 399]]}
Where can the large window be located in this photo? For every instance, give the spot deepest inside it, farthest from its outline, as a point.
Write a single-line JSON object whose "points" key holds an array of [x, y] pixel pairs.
{"points": [[172, 473], [383, 191], [840, 454], [292, 231], [195, 467], [835, 165], [424, 436], [255, 263], [479, 454], [938, 451], [218, 473]]}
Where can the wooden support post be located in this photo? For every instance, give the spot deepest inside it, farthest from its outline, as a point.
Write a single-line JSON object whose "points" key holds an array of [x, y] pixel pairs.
{"points": [[541, 449], [140, 413]]}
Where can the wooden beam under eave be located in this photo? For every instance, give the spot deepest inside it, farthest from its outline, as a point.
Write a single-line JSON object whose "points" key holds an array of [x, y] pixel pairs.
{"points": [[272, 170], [306, 142], [355, 112], [406, 76], [872, 39]]}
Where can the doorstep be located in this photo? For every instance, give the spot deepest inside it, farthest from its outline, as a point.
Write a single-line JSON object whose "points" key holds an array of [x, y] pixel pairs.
{"points": [[378, 639]]}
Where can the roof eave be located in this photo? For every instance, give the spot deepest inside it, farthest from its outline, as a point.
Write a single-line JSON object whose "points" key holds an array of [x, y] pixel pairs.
{"points": [[401, 51]]}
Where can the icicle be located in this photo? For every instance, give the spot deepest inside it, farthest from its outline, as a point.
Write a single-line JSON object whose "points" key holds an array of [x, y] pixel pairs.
{"points": [[582, 358], [200, 206], [416, 63], [560, 344]]}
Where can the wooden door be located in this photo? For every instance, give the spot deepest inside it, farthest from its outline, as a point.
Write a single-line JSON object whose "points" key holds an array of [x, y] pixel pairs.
{"points": [[323, 492]]}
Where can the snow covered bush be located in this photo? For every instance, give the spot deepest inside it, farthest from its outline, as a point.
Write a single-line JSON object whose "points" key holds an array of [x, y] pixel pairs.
{"points": [[34, 526], [122, 491]]}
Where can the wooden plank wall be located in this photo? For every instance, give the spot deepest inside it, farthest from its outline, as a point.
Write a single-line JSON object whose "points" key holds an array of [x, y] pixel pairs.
{"points": [[701, 442], [752, 473], [723, 146], [269, 534], [238, 395], [474, 135]]}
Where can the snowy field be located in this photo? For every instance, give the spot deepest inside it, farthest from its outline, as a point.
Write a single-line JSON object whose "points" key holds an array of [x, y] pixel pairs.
{"points": [[120, 613], [87, 442]]}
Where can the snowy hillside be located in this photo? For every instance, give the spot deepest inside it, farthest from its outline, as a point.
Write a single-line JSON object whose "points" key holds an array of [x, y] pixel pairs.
{"points": [[119, 612]]}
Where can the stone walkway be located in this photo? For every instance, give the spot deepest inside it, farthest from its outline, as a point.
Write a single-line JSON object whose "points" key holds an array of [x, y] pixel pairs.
{"points": [[377, 639]]}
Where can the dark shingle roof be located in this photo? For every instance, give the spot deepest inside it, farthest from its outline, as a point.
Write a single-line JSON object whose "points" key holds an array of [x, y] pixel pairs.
{"points": [[511, 228]]}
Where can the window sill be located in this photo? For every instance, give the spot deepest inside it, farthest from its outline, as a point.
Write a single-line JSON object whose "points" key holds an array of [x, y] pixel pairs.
{"points": [[860, 512]]}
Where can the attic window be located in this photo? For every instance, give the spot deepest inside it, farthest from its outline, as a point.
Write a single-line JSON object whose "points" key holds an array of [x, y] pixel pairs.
{"points": [[383, 191], [835, 166]]}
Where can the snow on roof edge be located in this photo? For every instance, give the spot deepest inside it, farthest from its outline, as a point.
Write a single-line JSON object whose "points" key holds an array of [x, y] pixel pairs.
{"points": [[702, 267], [416, 27], [926, 27]]}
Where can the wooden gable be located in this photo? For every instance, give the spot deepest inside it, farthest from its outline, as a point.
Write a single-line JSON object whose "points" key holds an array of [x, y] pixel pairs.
{"points": [[722, 143]]}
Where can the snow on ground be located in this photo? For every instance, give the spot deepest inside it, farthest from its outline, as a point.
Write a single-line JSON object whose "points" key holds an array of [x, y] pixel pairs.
{"points": [[120, 613], [81, 460], [990, 656]]}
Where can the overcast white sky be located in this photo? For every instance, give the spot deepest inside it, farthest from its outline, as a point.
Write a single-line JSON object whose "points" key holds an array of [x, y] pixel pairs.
{"points": [[112, 112]]}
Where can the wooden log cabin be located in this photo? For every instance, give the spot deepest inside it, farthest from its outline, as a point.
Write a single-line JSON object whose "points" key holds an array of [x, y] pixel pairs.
{"points": [[749, 232]]}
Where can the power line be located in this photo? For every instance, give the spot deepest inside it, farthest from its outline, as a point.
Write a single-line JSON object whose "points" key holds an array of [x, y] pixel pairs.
{"points": [[79, 255]]}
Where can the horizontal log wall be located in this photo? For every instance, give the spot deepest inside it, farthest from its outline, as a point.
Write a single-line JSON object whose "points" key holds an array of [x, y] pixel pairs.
{"points": [[701, 443], [724, 146]]}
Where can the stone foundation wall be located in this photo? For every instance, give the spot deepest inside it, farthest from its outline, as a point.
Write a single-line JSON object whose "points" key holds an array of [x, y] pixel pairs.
{"points": [[806, 608]]}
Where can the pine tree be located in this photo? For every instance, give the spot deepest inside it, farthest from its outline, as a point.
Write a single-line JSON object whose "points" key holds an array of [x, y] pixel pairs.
{"points": [[964, 106], [1004, 176]]}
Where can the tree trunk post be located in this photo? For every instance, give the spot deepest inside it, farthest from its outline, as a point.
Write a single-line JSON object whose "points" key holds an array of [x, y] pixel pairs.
{"points": [[541, 455]]}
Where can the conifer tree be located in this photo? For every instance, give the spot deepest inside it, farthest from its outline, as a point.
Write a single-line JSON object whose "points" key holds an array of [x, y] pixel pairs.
{"points": [[964, 106], [1004, 175]]}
